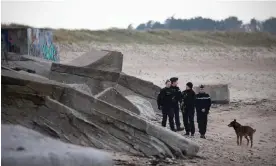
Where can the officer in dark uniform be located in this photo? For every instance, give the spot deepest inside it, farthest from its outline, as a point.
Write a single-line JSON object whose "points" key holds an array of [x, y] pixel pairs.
{"points": [[203, 104], [188, 109], [176, 101], [164, 102]]}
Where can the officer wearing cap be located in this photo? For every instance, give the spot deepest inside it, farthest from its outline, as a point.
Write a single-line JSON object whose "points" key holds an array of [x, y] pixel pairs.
{"points": [[188, 109], [203, 104], [176, 101], [164, 102]]}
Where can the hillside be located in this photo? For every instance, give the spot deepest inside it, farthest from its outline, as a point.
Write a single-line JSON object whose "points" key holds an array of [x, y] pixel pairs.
{"points": [[167, 37], [211, 38]]}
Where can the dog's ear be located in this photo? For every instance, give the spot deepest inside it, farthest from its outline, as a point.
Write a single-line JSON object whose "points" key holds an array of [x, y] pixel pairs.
{"points": [[234, 120]]}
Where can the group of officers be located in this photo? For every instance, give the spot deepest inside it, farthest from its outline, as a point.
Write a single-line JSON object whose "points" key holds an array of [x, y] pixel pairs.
{"points": [[171, 100]]}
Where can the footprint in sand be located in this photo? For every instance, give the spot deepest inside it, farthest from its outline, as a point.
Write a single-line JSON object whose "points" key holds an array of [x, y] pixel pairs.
{"points": [[262, 141]]}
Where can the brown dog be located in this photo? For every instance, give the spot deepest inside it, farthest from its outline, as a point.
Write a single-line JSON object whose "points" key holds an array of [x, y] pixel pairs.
{"points": [[242, 131]]}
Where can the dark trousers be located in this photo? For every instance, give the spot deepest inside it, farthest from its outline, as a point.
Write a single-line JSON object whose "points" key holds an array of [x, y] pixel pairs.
{"points": [[202, 119], [188, 120], [168, 112], [176, 115]]}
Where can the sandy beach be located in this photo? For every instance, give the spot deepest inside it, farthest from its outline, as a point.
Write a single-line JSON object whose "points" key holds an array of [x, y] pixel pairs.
{"points": [[250, 74]]}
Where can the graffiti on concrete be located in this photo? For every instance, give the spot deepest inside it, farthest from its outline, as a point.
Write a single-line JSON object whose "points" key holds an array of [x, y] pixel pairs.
{"points": [[15, 40], [41, 44]]}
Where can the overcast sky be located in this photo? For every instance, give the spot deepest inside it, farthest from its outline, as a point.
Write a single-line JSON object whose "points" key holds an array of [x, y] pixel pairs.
{"points": [[102, 14]]}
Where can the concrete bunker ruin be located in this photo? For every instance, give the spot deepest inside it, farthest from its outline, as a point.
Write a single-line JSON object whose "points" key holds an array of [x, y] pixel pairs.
{"points": [[30, 41], [88, 102]]}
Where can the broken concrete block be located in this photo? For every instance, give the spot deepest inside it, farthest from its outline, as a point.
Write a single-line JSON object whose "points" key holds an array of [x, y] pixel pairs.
{"points": [[219, 93], [143, 105], [24, 147], [96, 122], [112, 96]]}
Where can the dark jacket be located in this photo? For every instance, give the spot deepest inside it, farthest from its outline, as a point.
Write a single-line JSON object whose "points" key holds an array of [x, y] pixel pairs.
{"points": [[203, 101], [176, 99], [164, 98], [188, 99]]}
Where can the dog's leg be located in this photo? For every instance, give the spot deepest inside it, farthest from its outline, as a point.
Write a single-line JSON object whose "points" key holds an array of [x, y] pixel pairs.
{"points": [[247, 140], [237, 139], [240, 139], [251, 139]]}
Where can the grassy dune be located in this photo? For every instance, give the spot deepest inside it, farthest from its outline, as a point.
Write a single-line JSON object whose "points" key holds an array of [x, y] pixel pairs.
{"points": [[162, 37], [167, 37]]}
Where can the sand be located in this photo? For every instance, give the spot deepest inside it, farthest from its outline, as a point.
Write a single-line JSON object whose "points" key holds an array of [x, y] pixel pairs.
{"points": [[250, 73]]}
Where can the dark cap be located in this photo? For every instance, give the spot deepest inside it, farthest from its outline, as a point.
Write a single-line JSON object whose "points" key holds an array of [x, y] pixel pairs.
{"points": [[201, 86], [190, 85], [173, 79]]}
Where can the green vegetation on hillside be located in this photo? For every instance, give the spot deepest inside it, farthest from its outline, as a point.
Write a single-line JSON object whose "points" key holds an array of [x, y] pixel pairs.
{"points": [[207, 24], [194, 31], [212, 38], [167, 37]]}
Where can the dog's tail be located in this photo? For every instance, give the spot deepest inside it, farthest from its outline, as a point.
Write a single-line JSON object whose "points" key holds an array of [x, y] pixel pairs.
{"points": [[254, 130]]}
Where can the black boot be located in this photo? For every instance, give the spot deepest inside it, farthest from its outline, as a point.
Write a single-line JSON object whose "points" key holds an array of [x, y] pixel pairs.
{"points": [[180, 129], [187, 134], [203, 136], [173, 130]]}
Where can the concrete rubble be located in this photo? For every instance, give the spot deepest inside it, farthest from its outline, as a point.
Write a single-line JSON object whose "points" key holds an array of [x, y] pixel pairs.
{"points": [[25, 147], [88, 102], [219, 93]]}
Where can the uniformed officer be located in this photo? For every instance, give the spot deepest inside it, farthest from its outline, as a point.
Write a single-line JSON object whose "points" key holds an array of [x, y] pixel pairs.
{"points": [[203, 104], [164, 102], [176, 101], [188, 109]]}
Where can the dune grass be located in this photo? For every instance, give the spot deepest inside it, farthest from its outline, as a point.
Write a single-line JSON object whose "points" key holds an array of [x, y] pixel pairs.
{"points": [[167, 37], [215, 38]]}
